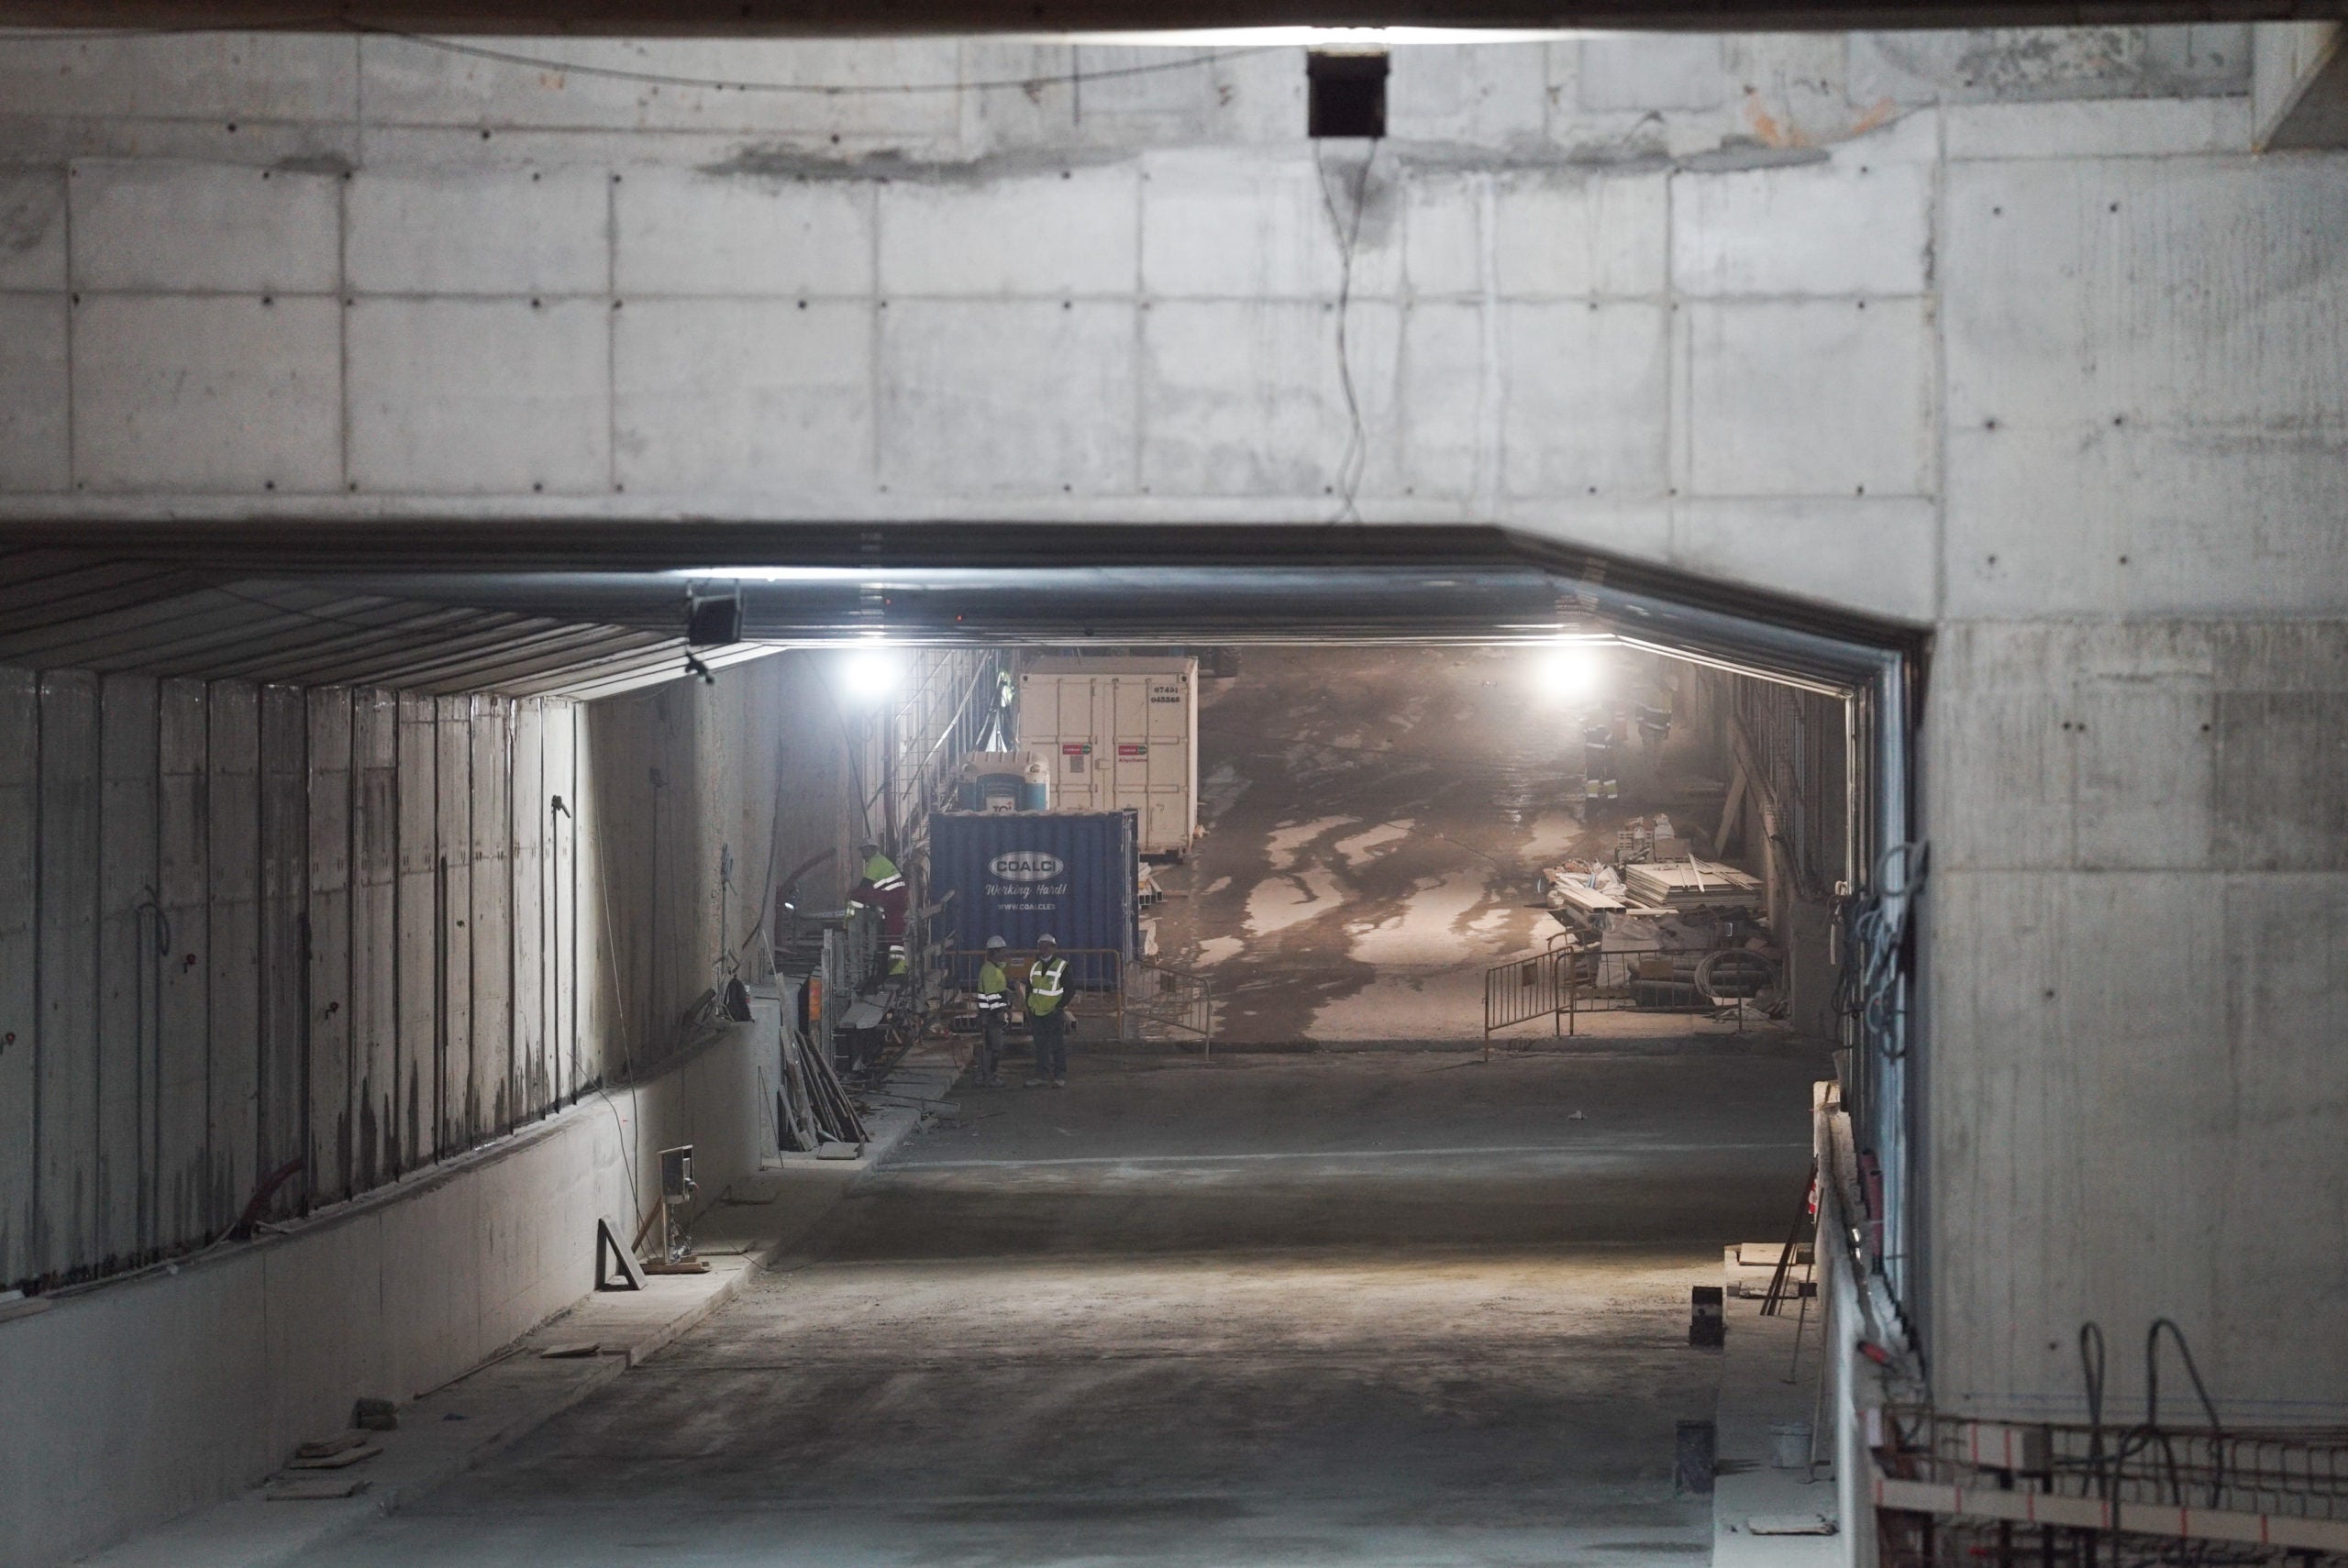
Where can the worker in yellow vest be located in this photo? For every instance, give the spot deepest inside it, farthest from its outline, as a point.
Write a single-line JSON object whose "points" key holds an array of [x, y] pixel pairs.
{"points": [[994, 995], [1048, 1013], [883, 888]]}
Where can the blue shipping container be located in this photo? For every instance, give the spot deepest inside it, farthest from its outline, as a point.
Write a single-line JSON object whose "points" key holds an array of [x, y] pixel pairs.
{"points": [[1018, 875]]}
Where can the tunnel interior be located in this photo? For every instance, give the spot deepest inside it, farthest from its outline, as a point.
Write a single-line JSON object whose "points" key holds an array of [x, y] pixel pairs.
{"points": [[1366, 1270], [528, 540]]}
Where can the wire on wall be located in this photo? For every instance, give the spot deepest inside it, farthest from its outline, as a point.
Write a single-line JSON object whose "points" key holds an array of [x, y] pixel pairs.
{"points": [[1356, 462], [1033, 83]]}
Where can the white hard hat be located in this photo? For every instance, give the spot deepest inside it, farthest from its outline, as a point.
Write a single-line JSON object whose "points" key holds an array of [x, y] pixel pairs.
{"points": [[1047, 940], [996, 944]]}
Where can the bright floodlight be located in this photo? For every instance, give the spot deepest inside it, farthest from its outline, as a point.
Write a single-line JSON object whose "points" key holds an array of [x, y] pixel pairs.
{"points": [[869, 674], [1574, 669]]}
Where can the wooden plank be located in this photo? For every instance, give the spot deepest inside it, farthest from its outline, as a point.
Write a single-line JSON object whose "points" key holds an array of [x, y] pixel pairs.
{"points": [[19, 1031], [129, 972], [414, 1132], [374, 935], [453, 941], [182, 1152], [1729, 806], [329, 1119], [491, 1087], [232, 759], [66, 1109], [285, 963], [533, 1067]]}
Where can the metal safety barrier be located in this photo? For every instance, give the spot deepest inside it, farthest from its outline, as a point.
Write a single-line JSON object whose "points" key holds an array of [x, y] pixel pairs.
{"points": [[1563, 983], [1546, 985], [1165, 1003]]}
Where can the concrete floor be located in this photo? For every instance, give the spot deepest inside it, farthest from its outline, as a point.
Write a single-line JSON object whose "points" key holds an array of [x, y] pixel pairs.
{"points": [[1375, 1308], [1377, 823]]}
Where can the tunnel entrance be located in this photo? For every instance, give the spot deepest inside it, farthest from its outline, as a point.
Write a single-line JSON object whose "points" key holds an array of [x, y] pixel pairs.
{"points": [[1376, 1278]]}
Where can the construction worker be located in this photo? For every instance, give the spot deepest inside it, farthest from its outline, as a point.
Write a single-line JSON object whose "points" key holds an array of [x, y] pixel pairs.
{"points": [[1601, 780], [883, 889], [994, 993], [1047, 1012]]}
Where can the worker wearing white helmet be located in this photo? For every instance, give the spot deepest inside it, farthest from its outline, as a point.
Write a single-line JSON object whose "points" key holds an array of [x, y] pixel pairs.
{"points": [[1047, 1012], [993, 994]]}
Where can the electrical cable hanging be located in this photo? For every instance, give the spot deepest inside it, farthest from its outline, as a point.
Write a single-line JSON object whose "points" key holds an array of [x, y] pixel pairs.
{"points": [[111, 34], [1875, 931], [2104, 1463], [1356, 462], [1033, 83]]}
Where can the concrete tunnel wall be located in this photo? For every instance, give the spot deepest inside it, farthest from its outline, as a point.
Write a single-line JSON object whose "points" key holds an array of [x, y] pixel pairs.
{"points": [[2013, 337], [401, 1262], [385, 944], [369, 907]]}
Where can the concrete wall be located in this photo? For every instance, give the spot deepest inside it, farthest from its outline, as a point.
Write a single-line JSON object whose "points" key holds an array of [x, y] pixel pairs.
{"points": [[1682, 297], [2139, 943], [147, 1397], [2012, 335], [756, 768], [248, 926], [502, 985], [253, 926]]}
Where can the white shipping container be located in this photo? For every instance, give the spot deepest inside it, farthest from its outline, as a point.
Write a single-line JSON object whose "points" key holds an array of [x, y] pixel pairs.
{"points": [[1119, 733]]}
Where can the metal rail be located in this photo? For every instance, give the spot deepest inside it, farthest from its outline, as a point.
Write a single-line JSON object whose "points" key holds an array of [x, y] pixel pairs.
{"points": [[1174, 1003], [1546, 985], [2301, 1473], [1562, 984]]}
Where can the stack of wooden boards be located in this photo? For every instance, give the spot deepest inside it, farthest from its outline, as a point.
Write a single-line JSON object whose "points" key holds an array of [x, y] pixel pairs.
{"points": [[1671, 883]]}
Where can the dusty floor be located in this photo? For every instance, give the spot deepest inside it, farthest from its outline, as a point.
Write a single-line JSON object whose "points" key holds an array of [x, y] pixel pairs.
{"points": [[1374, 1309], [1378, 821]]}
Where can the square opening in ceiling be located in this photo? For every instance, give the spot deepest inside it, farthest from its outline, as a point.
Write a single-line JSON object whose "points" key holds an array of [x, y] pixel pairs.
{"points": [[1346, 92]]}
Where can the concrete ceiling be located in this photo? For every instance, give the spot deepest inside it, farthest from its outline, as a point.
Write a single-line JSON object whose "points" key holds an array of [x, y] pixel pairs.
{"points": [[585, 608], [68, 610], [865, 18]]}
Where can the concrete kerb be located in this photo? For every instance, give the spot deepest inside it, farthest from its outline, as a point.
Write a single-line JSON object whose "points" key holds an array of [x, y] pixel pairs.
{"points": [[445, 1431]]}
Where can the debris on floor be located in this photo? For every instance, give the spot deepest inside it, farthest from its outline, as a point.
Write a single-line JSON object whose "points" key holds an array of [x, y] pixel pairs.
{"points": [[1789, 1524], [316, 1489], [334, 1453]]}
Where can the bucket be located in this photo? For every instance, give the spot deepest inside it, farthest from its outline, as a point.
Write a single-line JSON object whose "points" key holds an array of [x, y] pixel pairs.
{"points": [[1789, 1444]]}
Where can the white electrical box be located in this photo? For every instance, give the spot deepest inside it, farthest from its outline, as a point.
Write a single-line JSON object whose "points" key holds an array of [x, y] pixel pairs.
{"points": [[1118, 733]]}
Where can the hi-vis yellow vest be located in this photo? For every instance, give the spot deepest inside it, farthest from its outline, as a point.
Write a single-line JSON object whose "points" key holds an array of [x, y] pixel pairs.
{"points": [[1046, 984], [994, 988]]}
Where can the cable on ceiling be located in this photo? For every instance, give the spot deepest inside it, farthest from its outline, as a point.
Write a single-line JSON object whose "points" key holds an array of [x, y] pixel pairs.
{"points": [[1035, 81]]}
